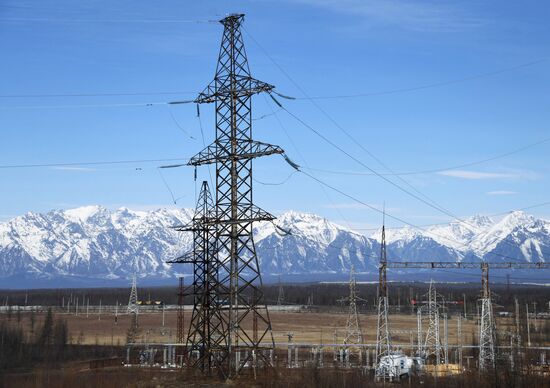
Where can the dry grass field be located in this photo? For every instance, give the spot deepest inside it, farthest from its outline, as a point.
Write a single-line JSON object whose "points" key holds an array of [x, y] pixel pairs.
{"points": [[307, 327]]}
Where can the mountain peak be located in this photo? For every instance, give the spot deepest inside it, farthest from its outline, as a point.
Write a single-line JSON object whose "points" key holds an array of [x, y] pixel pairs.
{"points": [[480, 221], [83, 213]]}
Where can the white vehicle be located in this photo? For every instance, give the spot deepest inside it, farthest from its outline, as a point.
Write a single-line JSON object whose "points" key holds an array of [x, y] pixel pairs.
{"points": [[398, 366]]}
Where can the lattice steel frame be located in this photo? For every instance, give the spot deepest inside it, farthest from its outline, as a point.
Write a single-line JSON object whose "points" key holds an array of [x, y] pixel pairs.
{"points": [[432, 343], [239, 284], [205, 339], [354, 334], [383, 340], [487, 328]]}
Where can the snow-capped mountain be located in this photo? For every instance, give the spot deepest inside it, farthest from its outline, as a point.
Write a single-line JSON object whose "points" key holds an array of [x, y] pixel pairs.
{"points": [[95, 243]]}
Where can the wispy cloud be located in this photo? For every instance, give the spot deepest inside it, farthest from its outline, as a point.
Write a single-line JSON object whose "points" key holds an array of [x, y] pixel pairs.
{"points": [[475, 174], [502, 192], [72, 168], [411, 15]]}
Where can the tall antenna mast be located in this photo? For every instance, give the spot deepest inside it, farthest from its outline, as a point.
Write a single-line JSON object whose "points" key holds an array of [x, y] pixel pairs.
{"points": [[246, 323]]}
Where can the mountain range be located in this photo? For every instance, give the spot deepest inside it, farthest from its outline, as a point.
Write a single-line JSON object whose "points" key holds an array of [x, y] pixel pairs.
{"points": [[93, 245]]}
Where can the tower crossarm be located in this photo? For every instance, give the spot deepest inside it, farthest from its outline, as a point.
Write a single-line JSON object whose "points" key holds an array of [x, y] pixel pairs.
{"points": [[187, 258], [466, 265], [246, 149], [222, 89]]}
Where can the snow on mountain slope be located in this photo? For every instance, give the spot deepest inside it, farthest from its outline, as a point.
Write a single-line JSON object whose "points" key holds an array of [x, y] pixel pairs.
{"points": [[314, 245], [98, 243]]}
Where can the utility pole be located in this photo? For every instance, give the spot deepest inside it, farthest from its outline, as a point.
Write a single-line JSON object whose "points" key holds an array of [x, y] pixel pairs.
{"points": [[446, 335], [487, 325], [459, 338], [518, 332], [383, 340], [528, 325], [180, 332]]}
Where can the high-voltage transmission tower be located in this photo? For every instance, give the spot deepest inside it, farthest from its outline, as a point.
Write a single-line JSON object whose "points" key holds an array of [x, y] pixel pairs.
{"points": [[207, 330], [354, 334], [245, 326], [487, 345], [383, 340], [487, 324], [432, 342], [132, 301], [133, 310], [281, 294]]}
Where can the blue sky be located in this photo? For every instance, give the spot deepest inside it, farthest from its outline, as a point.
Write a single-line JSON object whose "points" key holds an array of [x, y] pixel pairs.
{"points": [[325, 48]]}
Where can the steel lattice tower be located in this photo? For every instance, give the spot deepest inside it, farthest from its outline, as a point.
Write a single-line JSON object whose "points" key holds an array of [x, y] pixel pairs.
{"points": [[245, 323], [487, 324], [133, 310], [432, 343], [205, 339], [281, 295], [354, 335], [132, 301], [383, 341]]}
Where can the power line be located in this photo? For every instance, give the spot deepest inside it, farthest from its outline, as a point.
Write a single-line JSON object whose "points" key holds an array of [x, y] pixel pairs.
{"points": [[97, 163], [428, 201], [287, 134], [61, 20], [78, 106], [392, 216], [114, 94], [447, 223], [430, 171], [342, 150], [276, 183], [427, 86], [178, 125]]}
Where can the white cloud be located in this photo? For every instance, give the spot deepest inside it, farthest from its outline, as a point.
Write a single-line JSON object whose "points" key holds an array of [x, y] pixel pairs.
{"points": [[477, 174], [501, 192]]}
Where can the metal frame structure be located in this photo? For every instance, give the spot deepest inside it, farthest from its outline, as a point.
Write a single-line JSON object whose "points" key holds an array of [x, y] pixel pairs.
{"points": [[242, 321], [133, 310], [205, 339], [432, 341], [487, 338], [383, 339], [281, 294], [487, 328], [132, 301], [354, 334]]}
